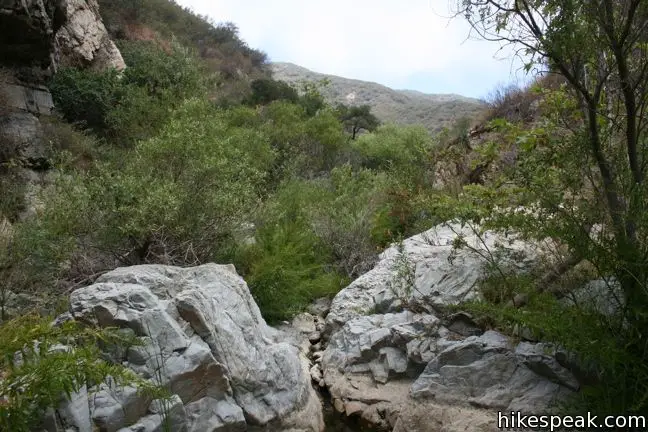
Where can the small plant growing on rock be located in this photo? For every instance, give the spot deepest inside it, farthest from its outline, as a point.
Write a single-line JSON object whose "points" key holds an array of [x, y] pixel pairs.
{"points": [[40, 363]]}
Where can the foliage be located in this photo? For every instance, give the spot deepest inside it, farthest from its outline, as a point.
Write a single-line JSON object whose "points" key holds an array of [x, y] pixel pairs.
{"points": [[577, 176], [266, 90], [176, 199], [306, 145], [357, 118], [312, 97], [169, 18], [40, 363], [12, 193], [286, 268], [403, 151], [130, 106], [512, 103], [85, 97]]}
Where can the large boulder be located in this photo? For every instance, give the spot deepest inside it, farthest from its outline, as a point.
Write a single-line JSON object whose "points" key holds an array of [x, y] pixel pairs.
{"points": [[397, 360], [425, 272], [204, 338]]}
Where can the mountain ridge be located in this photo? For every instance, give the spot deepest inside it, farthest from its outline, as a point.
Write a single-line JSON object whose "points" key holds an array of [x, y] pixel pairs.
{"points": [[434, 111]]}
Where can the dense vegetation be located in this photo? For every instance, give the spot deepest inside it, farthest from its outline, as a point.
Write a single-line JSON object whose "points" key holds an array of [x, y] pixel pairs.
{"points": [[182, 160]]}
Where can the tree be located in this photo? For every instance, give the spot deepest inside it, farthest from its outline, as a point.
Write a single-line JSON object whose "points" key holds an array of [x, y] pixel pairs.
{"points": [[266, 90], [600, 49], [357, 119]]}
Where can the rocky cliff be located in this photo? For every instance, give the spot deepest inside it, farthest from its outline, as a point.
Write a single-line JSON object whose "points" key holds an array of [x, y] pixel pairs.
{"points": [[37, 37]]}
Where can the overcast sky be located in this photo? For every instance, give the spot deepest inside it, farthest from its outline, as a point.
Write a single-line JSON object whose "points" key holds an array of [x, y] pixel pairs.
{"points": [[408, 44]]}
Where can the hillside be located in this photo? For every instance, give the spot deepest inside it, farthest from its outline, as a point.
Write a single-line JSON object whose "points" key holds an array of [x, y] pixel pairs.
{"points": [[434, 111]]}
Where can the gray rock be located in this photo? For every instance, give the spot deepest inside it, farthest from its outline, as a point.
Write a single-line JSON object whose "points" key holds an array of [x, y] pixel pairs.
{"points": [[462, 324], [114, 408], [486, 372], [320, 306], [304, 323], [442, 276], [75, 411], [381, 344], [172, 413], [397, 362], [34, 99], [204, 338], [602, 296], [23, 137], [47, 32], [211, 415]]}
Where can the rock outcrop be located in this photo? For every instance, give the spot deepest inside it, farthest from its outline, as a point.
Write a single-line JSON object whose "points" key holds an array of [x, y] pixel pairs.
{"points": [[395, 360], [83, 39], [205, 340], [37, 35], [430, 273]]}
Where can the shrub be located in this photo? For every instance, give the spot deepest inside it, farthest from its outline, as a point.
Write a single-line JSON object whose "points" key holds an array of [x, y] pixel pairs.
{"points": [[512, 103], [403, 151], [131, 106], [40, 363], [12, 193], [176, 199], [286, 269], [85, 97], [267, 90]]}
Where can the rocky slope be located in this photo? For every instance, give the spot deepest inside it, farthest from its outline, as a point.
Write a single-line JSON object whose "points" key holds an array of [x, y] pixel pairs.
{"points": [[397, 106], [386, 349]]}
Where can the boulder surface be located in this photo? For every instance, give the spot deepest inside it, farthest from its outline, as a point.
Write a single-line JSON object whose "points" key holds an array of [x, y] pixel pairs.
{"points": [[398, 360], [205, 340]]}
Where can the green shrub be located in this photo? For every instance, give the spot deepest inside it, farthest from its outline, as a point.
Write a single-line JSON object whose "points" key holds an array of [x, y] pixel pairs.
{"points": [[85, 97], [132, 106], [12, 193], [287, 268], [267, 90], [53, 362], [401, 150]]}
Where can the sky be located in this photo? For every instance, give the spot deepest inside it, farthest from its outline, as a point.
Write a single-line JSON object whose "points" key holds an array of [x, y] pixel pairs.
{"points": [[417, 47]]}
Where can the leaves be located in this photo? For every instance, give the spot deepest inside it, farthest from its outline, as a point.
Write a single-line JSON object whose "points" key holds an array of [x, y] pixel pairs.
{"points": [[41, 362]]}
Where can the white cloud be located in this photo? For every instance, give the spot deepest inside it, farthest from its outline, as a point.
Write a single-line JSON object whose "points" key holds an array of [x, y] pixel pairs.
{"points": [[376, 40]]}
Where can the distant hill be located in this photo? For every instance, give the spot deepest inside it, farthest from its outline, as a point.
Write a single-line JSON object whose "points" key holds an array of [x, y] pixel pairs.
{"points": [[434, 111]]}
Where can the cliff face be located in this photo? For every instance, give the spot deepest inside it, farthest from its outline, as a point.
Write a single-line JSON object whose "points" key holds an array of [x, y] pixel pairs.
{"points": [[83, 39], [38, 35]]}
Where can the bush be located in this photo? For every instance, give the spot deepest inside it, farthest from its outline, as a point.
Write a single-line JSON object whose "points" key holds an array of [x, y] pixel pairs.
{"points": [[12, 193], [267, 90], [85, 97], [131, 106], [512, 103], [403, 151], [286, 269], [313, 235]]}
